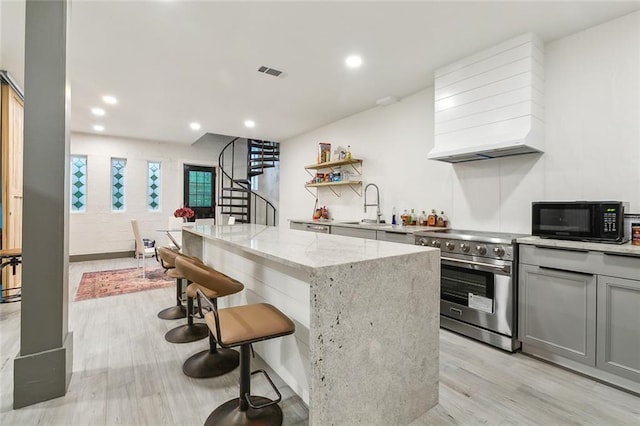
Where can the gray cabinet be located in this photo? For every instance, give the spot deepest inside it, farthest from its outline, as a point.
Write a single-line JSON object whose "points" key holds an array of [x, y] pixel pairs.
{"points": [[558, 311], [619, 326], [581, 309], [396, 237], [311, 227], [354, 232]]}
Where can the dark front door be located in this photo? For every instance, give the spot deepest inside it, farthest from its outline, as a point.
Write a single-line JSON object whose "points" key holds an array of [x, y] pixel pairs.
{"points": [[199, 190]]}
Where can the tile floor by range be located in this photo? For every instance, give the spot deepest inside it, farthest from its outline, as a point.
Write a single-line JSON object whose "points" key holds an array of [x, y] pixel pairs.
{"points": [[125, 373]]}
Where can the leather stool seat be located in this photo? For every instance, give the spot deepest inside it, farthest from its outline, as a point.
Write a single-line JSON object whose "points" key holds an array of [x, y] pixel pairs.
{"points": [[209, 284], [172, 273], [243, 326], [192, 291], [249, 324], [191, 331], [167, 257]]}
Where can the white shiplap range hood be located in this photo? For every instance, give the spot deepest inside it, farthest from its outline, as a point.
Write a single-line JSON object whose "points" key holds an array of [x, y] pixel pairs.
{"points": [[491, 104]]}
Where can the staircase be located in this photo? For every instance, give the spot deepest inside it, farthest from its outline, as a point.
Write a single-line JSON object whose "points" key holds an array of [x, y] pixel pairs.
{"points": [[236, 198]]}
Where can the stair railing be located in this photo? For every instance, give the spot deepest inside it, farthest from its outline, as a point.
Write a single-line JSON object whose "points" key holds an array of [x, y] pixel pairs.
{"points": [[253, 195]]}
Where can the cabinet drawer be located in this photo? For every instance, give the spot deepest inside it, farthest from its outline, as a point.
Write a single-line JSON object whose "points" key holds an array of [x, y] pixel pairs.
{"points": [[396, 237], [354, 232], [620, 265], [565, 259]]}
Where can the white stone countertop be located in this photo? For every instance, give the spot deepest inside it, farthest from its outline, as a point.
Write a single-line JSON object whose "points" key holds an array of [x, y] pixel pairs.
{"points": [[372, 226], [304, 250], [625, 248]]}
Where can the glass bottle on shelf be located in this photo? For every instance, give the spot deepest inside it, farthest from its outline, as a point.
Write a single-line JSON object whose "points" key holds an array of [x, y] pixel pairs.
{"points": [[442, 220], [348, 154], [433, 218], [405, 217], [422, 219]]}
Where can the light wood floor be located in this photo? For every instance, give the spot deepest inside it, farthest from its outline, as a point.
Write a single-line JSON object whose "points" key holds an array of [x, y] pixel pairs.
{"points": [[125, 373]]}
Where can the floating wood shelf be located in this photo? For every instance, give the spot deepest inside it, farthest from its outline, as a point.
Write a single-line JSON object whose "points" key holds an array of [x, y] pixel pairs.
{"points": [[331, 164]]}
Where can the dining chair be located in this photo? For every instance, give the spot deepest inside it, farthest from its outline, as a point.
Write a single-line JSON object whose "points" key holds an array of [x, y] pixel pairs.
{"points": [[140, 250]]}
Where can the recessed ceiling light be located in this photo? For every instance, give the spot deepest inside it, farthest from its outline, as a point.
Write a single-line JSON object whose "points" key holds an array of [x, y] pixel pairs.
{"points": [[98, 127], [353, 61], [108, 99], [194, 126], [97, 111], [249, 123]]}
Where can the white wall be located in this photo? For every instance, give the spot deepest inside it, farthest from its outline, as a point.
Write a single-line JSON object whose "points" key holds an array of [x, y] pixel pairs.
{"points": [[98, 230], [592, 145], [12, 25], [393, 143]]}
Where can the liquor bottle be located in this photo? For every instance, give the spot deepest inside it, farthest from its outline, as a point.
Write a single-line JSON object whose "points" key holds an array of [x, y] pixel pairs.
{"points": [[394, 220], [422, 219], [442, 220], [405, 217], [433, 218]]}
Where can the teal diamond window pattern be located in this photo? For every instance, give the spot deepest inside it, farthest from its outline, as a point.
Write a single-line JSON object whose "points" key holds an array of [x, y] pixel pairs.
{"points": [[78, 183], [118, 166], [153, 185]]}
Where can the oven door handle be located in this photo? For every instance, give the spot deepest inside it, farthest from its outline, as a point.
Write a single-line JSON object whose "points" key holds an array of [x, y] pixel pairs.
{"points": [[506, 269]]}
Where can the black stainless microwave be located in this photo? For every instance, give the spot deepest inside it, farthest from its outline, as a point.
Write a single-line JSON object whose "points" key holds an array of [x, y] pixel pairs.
{"points": [[601, 221]]}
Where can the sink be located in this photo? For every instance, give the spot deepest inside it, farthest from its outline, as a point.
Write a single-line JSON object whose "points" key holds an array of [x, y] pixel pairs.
{"points": [[372, 224]]}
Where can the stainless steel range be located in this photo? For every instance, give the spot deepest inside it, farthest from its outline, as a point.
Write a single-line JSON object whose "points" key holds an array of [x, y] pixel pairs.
{"points": [[478, 290]]}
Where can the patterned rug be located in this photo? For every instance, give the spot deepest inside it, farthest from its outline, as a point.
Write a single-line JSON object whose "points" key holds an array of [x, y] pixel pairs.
{"points": [[121, 281]]}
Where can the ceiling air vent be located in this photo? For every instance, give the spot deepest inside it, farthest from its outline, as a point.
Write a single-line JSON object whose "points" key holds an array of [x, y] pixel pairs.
{"points": [[271, 71]]}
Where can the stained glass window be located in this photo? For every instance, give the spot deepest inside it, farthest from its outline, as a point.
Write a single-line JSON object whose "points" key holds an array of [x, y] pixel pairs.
{"points": [[199, 189], [118, 166], [78, 183], [153, 184]]}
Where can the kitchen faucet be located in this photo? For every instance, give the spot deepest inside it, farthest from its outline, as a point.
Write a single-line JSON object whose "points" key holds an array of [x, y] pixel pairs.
{"points": [[377, 203]]}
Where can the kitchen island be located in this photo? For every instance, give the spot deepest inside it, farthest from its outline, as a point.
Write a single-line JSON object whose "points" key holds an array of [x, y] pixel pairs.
{"points": [[365, 350]]}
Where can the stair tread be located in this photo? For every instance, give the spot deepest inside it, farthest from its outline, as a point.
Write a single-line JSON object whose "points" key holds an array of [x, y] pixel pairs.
{"points": [[232, 197], [235, 188]]}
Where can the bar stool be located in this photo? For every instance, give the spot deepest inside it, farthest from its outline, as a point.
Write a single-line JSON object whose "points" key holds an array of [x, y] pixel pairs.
{"points": [[191, 331], [243, 326], [167, 258], [210, 284]]}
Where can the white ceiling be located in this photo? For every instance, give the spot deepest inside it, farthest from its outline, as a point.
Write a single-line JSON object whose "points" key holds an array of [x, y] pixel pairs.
{"points": [[173, 62]]}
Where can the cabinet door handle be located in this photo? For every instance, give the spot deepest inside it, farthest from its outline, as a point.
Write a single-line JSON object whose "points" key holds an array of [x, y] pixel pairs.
{"points": [[566, 271], [456, 311], [562, 248], [622, 254]]}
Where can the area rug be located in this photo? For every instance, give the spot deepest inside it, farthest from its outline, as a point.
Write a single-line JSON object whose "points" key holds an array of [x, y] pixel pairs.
{"points": [[121, 281]]}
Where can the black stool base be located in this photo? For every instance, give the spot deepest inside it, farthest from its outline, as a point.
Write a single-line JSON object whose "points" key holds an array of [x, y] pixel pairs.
{"points": [[187, 333], [174, 312], [206, 364], [229, 414]]}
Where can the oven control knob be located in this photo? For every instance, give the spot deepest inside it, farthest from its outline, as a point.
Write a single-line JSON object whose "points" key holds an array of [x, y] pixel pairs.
{"points": [[498, 251], [450, 245], [482, 250], [422, 241], [464, 247], [435, 243]]}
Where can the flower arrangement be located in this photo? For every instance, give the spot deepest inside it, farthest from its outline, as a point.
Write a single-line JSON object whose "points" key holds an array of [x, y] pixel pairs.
{"points": [[184, 212]]}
